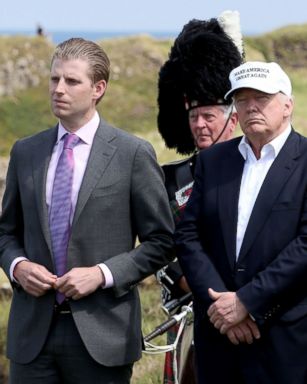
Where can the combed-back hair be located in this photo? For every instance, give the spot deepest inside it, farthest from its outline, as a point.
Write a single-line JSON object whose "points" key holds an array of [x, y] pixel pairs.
{"points": [[78, 48]]}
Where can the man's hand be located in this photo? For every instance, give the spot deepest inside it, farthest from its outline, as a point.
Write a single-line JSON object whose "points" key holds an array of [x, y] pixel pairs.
{"points": [[244, 332], [226, 311], [80, 282], [34, 278]]}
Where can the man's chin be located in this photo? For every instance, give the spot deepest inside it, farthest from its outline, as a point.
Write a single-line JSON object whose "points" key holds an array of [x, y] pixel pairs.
{"points": [[255, 125], [203, 144], [59, 113]]}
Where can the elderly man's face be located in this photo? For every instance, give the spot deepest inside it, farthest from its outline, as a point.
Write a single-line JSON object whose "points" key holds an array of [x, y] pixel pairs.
{"points": [[261, 115], [207, 123]]}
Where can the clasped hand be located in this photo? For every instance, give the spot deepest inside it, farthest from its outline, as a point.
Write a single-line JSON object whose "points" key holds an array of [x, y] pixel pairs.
{"points": [[230, 317], [76, 283], [79, 282]]}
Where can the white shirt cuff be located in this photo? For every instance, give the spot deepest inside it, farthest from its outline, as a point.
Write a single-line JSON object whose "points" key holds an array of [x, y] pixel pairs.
{"points": [[13, 265], [109, 281]]}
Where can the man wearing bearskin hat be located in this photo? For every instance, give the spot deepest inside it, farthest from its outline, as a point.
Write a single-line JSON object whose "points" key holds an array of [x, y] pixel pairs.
{"points": [[193, 115]]}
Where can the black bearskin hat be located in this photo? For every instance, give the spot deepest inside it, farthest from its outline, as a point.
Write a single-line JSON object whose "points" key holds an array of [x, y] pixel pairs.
{"points": [[195, 74]]}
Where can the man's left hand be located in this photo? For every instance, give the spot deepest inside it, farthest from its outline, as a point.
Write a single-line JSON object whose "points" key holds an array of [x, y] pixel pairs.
{"points": [[226, 311], [80, 282]]}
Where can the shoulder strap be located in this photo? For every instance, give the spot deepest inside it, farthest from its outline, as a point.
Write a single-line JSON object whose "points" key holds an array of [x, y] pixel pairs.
{"points": [[184, 174]]}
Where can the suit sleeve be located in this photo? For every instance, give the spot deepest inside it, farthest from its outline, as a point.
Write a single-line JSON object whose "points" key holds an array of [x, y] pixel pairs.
{"points": [[11, 222], [152, 223], [196, 264]]}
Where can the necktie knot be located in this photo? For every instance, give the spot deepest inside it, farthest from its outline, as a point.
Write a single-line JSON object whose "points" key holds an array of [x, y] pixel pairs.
{"points": [[70, 140]]}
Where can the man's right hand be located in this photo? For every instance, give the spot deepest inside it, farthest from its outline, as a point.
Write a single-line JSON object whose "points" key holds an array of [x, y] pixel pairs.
{"points": [[244, 332], [34, 278]]}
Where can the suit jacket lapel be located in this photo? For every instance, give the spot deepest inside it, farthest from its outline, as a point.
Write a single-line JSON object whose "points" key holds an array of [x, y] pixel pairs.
{"points": [[101, 154], [228, 196], [41, 155], [278, 174]]}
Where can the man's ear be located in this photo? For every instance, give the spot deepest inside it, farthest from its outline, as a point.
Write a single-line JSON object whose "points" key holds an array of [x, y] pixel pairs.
{"points": [[99, 89], [289, 104], [234, 121]]}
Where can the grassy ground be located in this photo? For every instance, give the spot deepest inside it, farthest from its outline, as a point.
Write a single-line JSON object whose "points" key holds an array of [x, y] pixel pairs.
{"points": [[4, 310], [149, 370], [3, 278]]}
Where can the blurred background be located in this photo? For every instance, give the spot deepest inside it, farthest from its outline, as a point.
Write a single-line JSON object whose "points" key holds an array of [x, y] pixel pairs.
{"points": [[137, 36]]}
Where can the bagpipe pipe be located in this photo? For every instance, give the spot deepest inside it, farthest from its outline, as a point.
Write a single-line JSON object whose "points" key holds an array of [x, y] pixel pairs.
{"points": [[180, 346], [178, 309], [186, 307]]}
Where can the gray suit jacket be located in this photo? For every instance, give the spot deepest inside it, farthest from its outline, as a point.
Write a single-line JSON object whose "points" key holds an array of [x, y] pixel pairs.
{"points": [[122, 197]]}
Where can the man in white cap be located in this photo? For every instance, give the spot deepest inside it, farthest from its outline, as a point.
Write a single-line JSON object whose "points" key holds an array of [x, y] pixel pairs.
{"points": [[242, 243]]}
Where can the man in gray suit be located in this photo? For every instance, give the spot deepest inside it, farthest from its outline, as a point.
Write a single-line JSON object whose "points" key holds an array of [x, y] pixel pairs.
{"points": [[75, 315]]}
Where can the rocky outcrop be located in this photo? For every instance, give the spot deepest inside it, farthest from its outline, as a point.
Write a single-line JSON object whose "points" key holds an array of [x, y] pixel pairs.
{"points": [[24, 62], [287, 46]]}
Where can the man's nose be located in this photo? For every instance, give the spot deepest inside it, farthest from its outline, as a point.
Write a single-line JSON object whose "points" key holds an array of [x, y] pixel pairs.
{"points": [[60, 87], [201, 122], [251, 105]]}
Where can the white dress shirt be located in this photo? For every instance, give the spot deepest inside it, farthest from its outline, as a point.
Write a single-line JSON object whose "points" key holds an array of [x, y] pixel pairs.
{"points": [[81, 154], [254, 173]]}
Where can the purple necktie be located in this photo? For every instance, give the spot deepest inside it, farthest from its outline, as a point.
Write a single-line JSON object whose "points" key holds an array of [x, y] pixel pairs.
{"points": [[60, 209]]}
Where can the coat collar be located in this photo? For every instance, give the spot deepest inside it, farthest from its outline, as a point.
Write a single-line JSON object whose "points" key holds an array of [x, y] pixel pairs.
{"points": [[228, 196], [229, 189], [41, 155], [277, 176], [100, 156]]}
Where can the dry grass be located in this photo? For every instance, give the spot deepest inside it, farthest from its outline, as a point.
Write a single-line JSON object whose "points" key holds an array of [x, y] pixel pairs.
{"points": [[4, 311], [3, 278], [149, 370]]}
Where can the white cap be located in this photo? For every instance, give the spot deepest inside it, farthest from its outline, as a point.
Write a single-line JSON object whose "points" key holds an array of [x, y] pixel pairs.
{"points": [[265, 77]]}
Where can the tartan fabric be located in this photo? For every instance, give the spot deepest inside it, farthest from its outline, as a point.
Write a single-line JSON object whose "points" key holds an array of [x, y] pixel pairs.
{"points": [[177, 209]]}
